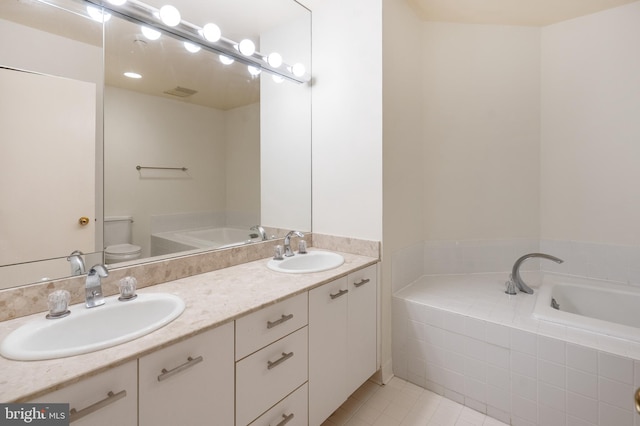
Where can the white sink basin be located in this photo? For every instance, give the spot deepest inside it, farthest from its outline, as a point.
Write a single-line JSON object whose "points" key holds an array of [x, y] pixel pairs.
{"points": [[313, 261], [88, 330]]}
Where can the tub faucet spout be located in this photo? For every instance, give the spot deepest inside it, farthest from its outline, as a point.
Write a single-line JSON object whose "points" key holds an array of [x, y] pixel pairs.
{"points": [[515, 273]]}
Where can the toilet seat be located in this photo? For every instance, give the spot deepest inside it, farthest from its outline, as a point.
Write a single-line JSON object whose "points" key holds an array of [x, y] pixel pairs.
{"points": [[122, 252]]}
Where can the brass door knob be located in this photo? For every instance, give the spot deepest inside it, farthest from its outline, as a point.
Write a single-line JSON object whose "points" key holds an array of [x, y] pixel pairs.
{"points": [[636, 398], [83, 221]]}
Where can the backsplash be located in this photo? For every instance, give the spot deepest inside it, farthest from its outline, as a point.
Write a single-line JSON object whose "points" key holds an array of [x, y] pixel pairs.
{"points": [[30, 299], [602, 261]]}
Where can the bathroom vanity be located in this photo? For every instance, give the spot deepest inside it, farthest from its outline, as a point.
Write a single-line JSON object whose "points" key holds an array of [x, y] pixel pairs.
{"points": [[253, 346]]}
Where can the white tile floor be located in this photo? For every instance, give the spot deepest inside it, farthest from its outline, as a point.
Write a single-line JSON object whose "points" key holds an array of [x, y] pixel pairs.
{"points": [[400, 403]]}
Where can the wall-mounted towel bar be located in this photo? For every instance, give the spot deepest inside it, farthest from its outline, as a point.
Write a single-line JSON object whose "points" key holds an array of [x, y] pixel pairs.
{"points": [[184, 169]]}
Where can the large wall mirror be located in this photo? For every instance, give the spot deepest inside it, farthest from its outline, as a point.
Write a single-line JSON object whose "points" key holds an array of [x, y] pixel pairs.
{"points": [[186, 154]]}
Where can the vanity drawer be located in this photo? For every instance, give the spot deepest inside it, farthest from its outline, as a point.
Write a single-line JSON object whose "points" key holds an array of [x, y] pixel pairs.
{"points": [[291, 411], [267, 325], [269, 375]]}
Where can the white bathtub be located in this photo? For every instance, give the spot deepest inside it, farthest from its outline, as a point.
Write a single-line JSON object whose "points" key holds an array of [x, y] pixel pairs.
{"points": [[597, 306], [201, 238]]}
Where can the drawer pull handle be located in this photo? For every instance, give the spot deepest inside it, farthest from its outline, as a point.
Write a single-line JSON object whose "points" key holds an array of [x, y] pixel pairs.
{"points": [[283, 358], [284, 318], [362, 282], [338, 294], [110, 399], [168, 373], [286, 420]]}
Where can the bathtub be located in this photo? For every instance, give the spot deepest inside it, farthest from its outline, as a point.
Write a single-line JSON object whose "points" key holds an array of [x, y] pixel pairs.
{"points": [[201, 238], [598, 306], [462, 337]]}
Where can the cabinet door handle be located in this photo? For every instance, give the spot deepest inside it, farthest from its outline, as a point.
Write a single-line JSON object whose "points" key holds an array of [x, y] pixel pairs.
{"points": [[362, 282], [338, 294], [286, 419], [110, 399], [284, 318], [168, 373], [283, 358]]}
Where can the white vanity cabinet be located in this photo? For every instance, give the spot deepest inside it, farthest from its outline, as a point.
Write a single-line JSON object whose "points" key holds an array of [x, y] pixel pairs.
{"points": [[272, 364], [342, 340], [106, 399], [190, 382]]}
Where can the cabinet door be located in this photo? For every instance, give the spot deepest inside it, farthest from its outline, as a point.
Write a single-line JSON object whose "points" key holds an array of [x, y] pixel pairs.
{"points": [[107, 399], [189, 383], [327, 349], [362, 351]]}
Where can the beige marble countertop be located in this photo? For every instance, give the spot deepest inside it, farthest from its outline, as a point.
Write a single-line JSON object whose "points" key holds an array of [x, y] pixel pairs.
{"points": [[212, 299]]}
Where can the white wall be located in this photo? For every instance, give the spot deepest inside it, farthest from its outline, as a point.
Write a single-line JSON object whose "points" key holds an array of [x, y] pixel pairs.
{"points": [[590, 144], [153, 131], [481, 131], [347, 118]]}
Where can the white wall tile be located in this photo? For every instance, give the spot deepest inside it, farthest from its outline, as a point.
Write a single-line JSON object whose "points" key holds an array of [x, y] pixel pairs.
{"points": [[574, 421], [551, 396], [454, 361], [610, 415], [524, 364], [582, 382], [497, 334], [582, 358], [499, 398], [615, 367], [453, 381], [475, 369], [616, 393], [525, 387], [475, 389], [407, 265], [434, 373], [475, 328], [551, 417], [552, 350], [523, 341], [552, 373], [498, 356], [453, 322], [498, 377], [582, 407], [524, 408]]}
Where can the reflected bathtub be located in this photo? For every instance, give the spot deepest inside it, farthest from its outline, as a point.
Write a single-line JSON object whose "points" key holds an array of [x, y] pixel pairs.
{"points": [[202, 238], [598, 306]]}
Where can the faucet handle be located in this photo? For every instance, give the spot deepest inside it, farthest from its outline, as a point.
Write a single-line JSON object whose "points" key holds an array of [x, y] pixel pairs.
{"points": [[127, 286], [58, 304]]}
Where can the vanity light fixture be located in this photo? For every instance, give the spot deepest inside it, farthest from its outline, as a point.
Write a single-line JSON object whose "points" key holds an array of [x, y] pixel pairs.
{"points": [[132, 74], [150, 33], [254, 71], [98, 14], [168, 20], [226, 60], [193, 48]]}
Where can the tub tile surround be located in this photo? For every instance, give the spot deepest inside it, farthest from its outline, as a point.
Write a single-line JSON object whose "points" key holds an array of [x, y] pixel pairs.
{"points": [[462, 337], [26, 300], [212, 299]]}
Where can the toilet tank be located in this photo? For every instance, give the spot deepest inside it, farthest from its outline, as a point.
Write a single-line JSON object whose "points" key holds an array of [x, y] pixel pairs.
{"points": [[117, 230]]}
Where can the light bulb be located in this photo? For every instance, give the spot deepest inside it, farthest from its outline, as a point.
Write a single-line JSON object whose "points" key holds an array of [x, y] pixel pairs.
{"points": [[170, 15], [211, 32], [193, 48], [298, 69], [254, 71], [150, 33], [246, 47], [226, 60], [132, 74], [277, 78], [117, 2], [97, 14], [274, 59]]}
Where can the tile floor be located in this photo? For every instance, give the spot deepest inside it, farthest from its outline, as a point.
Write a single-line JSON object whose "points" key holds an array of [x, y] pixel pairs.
{"points": [[400, 403]]}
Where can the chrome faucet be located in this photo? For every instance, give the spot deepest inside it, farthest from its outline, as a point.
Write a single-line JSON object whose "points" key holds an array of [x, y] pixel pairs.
{"points": [[93, 286], [515, 273], [261, 231], [76, 262], [287, 242]]}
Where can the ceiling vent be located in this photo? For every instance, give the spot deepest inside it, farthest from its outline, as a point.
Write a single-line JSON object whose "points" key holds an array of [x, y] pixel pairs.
{"points": [[181, 92]]}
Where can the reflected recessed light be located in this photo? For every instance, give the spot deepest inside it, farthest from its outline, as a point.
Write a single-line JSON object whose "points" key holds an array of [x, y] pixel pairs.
{"points": [[150, 33], [132, 74], [226, 60], [193, 48]]}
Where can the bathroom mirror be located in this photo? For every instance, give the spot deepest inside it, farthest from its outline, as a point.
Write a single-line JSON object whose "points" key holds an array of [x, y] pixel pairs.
{"points": [[236, 136]]}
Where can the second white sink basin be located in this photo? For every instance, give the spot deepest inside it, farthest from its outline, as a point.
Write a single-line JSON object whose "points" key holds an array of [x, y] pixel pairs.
{"points": [[88, 330], [313, 261]]}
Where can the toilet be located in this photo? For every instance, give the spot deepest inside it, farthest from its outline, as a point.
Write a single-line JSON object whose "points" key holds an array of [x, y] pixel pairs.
{"points": [[117, 240]]}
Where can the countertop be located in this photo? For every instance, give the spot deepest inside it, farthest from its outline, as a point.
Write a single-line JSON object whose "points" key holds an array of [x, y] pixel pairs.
{"points": [[212, 299]]}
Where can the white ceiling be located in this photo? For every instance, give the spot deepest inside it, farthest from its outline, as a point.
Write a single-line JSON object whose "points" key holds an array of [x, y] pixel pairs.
{"points": [[509, 12]]}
